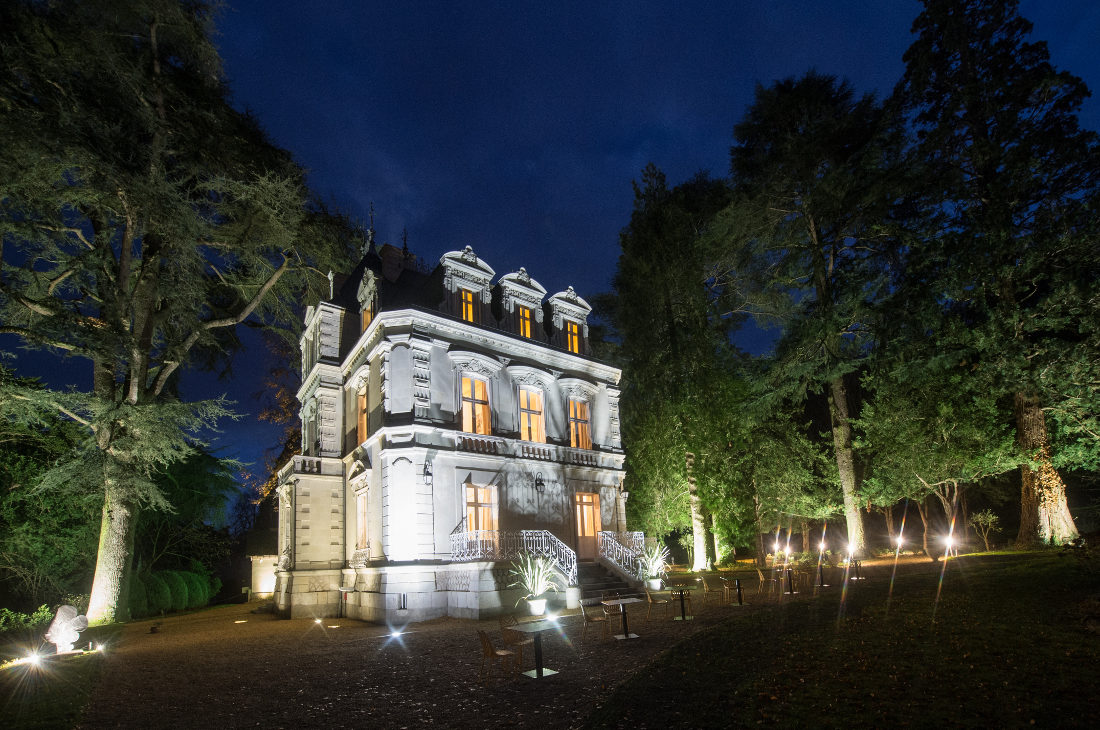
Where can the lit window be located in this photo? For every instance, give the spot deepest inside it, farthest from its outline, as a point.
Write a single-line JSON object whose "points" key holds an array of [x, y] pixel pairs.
{"points": [[524, 321], [531, 427], [469, 312], [480, 508], [579, 437], [361, 408], [572, 337], [475, 406], [366, 316], [361, 521]]}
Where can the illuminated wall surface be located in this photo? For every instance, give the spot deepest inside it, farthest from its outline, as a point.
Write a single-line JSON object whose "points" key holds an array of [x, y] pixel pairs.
{"points": [[436, 426]]}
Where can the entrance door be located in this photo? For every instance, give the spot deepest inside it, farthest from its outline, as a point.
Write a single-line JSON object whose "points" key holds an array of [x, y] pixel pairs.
{"points": [[588, 523]]}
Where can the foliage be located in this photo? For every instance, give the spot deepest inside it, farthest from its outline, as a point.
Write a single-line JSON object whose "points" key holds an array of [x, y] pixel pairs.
{"points": [[139, 599], [14, 620], [984, 523], [1004, 268], [534, 575], [198, 589], [804, 243], [177, 586], [47, 539], [158, 591], [654, 562], [143, 218]]}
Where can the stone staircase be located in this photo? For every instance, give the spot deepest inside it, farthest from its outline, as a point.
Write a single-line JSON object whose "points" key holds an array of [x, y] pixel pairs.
{"points": [[594, 579]]}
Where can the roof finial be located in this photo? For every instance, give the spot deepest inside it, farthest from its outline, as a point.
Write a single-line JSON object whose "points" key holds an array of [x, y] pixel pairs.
{"points": [[370, 232], [405, 241], [331, 280]]}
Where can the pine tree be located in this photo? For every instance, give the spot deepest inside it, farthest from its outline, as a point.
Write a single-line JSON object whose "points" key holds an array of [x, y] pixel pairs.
{"points": [[805, 243], [143, 218], [1009, 229]]}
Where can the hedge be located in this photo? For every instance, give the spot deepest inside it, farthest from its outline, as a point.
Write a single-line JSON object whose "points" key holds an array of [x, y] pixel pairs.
{"points": [[178, 586], [139, 600], [198, 591], [157, 592]]}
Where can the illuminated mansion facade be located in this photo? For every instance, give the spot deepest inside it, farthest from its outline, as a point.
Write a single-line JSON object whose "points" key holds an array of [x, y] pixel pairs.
{"points": [[451, 420]]}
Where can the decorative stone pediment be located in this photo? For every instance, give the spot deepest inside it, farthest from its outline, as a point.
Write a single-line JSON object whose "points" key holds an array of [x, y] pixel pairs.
{"points": [[475, 362], [526, 375], [368, 291], [520, 288], [567, 305], [464, 270], [577, 389]]}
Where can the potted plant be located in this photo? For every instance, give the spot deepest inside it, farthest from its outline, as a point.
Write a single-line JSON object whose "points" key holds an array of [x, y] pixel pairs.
{"points": [[654, 565], [534, 575]]}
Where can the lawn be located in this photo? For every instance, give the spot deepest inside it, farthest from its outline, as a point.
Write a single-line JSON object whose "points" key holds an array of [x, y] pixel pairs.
{"points": [[53, 693], [1011, 641]]}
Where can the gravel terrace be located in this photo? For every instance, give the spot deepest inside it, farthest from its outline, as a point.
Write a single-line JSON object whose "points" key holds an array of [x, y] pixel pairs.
{"points": [[231, 667]]}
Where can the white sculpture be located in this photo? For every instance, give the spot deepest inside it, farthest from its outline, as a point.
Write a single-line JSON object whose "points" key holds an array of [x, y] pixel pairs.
{"points": [[66, 628]]}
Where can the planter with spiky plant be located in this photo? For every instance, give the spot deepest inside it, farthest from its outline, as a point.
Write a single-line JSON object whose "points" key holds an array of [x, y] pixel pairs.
{"points": [[534, 575], [653, 566]]}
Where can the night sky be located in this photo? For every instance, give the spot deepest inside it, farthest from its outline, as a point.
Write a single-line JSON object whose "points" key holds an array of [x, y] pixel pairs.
{"points": [[517, 127]]}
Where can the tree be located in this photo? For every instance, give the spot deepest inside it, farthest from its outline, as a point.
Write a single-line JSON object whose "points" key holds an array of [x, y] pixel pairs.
{"points": [[1009, 228], [672, 348], [143, 218], [804, 242]]}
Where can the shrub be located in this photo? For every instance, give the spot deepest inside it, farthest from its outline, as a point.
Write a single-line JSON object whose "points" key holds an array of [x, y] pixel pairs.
{"points": [[139, 599], [157, 592], [14, 620], [197, 589], [178, 586]]}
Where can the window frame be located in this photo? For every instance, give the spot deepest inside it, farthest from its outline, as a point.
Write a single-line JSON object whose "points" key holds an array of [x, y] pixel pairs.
{"points": [[576, 429], [532, 419], [523, 321], [467, 305], [477, 508], [471, 405], [573, 336]]}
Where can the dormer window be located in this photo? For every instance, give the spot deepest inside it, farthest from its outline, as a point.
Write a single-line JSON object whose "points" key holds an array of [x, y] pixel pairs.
{"points": [[523, 317], [572, 336], [366, 316], [467, 306]]}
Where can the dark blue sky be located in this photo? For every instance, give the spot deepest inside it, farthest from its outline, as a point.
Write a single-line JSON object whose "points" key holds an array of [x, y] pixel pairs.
{"points": [[517, 127]]}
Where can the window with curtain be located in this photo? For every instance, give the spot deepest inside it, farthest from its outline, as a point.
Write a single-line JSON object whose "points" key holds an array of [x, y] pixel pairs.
{"points": [[475, 406], [579, 436], [531, 424]]}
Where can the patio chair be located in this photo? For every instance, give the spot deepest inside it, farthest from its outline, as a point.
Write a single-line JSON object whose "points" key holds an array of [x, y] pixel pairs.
{"points": [[674, 600], [766, 585], [708, 592], [595, 618], [513, 639], [491, 655], [662, 603]]}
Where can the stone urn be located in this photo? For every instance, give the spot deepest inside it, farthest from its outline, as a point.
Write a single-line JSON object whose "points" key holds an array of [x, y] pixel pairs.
{"points": [[653, 584], [537, 606]]}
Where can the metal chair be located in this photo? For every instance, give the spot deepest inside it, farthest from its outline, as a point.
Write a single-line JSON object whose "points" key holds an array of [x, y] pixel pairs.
{"points": [[708, 592], [490, 655], [766, 585], [513, 639], [595, 618], [651, 601]]}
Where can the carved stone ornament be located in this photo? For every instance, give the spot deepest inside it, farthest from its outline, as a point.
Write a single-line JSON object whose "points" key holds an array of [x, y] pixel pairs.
{"points": [[368, 289], [469, 255], [66, 628]]}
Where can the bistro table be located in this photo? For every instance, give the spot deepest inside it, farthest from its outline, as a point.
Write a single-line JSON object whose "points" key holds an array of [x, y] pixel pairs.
{"points": [[535, 628], [682, 590], [621, 603]]}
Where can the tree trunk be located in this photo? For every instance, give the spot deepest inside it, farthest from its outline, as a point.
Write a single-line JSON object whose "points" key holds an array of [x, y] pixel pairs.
{"points": [[107, 602], [888, 514], [714, 536], [1044, 511], [698, 527], [761, 559], [923, 511], [805, 536], [845, 462]]}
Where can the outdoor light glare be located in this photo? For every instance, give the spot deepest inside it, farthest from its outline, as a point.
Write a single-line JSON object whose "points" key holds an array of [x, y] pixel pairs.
{"points": [[316, 620], [34, 659], [822, 546], [100, 647], [948, 541], [899, 540], [241, 621], [395, 633]]}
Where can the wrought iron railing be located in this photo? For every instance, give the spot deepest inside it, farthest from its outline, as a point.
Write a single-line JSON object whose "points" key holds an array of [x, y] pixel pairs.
{"points": [[623, 550], [510, 544]]}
